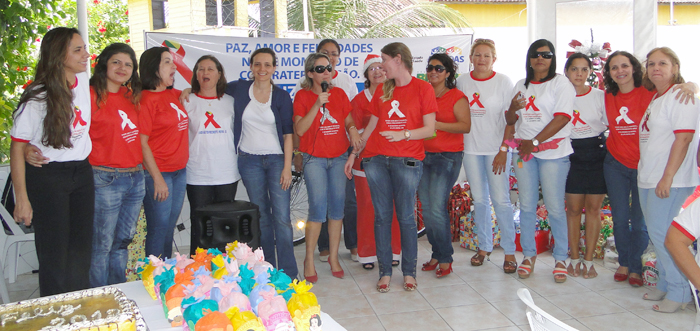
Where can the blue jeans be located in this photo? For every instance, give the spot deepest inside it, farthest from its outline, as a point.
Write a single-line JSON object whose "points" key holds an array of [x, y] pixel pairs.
{"points": [[161, 217], [551, 175], [118, 199], [325, 184], [440, 171], [629, 241], [349, 221], [483, 182], [261, 178], [659, 214], [392, 183]]}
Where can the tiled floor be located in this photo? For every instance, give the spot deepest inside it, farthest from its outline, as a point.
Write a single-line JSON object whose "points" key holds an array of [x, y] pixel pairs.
{"points": [[472, 298]]}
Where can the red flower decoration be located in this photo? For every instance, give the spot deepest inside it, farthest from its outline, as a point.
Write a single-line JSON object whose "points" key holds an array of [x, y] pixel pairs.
{"points": [[102, 30], [575, 43], [127, 13], [127, 41], [26, 84], [17, 68], [38, 40], [93, 57], [97, 2], [606, 46], [25, 68], [93, 64]]}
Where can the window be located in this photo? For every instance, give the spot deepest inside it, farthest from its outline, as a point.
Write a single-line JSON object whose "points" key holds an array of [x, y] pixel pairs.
{"points": [[227, 12], [160, 14]]}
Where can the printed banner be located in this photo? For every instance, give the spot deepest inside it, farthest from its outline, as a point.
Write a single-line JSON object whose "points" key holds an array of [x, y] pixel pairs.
{"points": [[234, 53]]}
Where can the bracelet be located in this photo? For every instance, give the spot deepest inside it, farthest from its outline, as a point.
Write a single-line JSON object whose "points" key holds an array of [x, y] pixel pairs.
{"points": [[352, 127]]}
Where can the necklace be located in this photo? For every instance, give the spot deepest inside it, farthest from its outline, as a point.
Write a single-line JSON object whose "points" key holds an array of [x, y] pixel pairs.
{"points": [[439, 94]]}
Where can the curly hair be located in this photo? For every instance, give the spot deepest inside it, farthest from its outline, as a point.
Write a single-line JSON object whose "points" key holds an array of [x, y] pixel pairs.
{"points": [[446, 60], [98, 81], [637, 72]]}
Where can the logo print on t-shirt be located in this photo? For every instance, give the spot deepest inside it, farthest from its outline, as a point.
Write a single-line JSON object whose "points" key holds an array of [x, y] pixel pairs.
{"points": [[78, 117], [645, 121], [623, 116], [475, 99], [210, 120], [180, 113], [326, 115], [531, 103], [125, 120], [577, 118], [395, 109]]}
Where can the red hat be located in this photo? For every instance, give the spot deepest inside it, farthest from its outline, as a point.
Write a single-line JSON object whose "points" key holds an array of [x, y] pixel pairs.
{"points": [[371, 58]]}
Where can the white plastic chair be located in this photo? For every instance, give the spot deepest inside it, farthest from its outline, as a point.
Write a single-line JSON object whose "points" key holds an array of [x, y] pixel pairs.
{"points": [[539, 319]]}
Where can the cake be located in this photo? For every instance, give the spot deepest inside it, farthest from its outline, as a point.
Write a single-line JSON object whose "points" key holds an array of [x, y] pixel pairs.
{"points": [[102, 309]]}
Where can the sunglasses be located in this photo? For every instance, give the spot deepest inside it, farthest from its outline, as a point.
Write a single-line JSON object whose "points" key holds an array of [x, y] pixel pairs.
{"points": [[482, 40], [439, 68], [544, 55], [321, 69]]}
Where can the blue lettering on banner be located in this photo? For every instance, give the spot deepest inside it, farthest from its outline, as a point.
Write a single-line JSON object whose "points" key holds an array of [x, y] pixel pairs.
{"points": [[356, 48], [292, 61], [237, 48], [458, 58], [278, 48]]}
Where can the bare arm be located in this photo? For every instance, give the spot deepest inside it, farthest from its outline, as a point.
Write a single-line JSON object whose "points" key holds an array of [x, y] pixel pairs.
{"points": [[675, 159], [555, 125], [423, 132], [677, 244], [464, 119], [23, 208], [356, 151], [302, 124], [518, 102], [501, 159], [351, 129], [160, 187], [286, 177], [34, 157], [688, 92]]}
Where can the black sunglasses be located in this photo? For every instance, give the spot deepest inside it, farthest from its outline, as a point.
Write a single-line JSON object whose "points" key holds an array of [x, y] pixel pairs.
{"points": [[321, 69], [439, 68], [544, 55]]}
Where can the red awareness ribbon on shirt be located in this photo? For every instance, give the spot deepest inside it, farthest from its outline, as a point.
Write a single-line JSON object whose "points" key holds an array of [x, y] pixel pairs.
{"points": [[475, 99], [531, 103], [577, 118], [644, 123], [78, 118], [210, 119]]}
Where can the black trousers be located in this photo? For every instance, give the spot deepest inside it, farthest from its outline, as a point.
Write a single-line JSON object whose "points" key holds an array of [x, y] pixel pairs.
{"points": [[202, 195], [62, 195]]}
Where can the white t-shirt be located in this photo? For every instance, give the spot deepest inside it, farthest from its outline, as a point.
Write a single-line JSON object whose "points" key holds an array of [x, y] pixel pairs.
{"points": [[488, 100], [589, 114], [688, 222], [259, 130], [213, 159], [665, 117], [341, 80], [543, 102], [29, 124]]}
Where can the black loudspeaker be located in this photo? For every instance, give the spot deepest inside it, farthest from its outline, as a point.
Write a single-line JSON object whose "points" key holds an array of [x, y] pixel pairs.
{"points": [[225, 222]]}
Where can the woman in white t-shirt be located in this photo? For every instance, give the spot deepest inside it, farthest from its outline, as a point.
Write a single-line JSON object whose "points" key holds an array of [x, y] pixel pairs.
{"points": [[486, 159], [212, 169], [668, 146], [585, 185], [541, 111], [58, 197]]}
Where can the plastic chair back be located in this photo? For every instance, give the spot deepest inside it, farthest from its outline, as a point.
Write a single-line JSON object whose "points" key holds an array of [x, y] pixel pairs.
{"points": [[539, 319]]}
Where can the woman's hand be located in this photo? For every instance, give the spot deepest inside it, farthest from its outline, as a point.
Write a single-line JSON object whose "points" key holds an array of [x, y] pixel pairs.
{"points": [[161, 190], [185, 95], [525, 148], [518, 102], [348, 165], [393, 136], [687, 92], [663, 188], [499, 162], [23, 212], [286, 178], [33, 156], [356, 140], [322, 99]]}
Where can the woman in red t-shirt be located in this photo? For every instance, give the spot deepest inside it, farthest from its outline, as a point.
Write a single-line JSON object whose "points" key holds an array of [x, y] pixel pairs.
{"points": [[443, 158], [320, 111], [402, 116]]}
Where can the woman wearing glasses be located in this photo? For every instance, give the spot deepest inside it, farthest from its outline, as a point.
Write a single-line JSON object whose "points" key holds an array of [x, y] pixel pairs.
{"points": [[486, 158], [443, 158], [541, 110], [318, 116]]}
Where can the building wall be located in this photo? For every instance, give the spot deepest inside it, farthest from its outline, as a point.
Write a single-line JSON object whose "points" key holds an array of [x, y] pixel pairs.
{"points": [[492, 15], [140, 20], [686, 14]]}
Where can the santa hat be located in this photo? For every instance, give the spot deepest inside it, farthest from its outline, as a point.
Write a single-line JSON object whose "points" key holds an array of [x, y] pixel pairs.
{"points": [[371, 58]]}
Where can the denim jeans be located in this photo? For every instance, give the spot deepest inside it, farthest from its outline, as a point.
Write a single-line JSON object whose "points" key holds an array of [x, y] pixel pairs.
{"points": [[392, 183], [630, 242], [118, 199], [261, 178], [440, 171], [551, 175], [483, 182], [659, 214], [161, 216], [349, 221], [325, 184]]}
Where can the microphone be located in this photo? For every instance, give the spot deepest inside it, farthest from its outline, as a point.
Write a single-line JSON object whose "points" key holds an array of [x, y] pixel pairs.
{"points": [[324, 87]]}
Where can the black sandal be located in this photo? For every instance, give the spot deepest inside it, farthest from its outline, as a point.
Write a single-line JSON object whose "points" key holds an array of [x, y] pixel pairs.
{"points": [[368, 266], [395, 263]]}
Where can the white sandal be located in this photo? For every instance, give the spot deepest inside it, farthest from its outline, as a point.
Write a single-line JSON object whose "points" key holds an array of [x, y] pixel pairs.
{"points": [[588, 265], [560, 271], [573, 264], [527, 269]]}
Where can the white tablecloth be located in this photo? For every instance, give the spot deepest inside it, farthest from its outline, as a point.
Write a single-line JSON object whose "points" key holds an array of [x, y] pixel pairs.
{"points": [[155, 318]]}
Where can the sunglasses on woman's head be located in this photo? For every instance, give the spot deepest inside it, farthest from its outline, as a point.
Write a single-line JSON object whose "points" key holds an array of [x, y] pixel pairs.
{"points": [[439, 68], [544, 55], [321, 69]]}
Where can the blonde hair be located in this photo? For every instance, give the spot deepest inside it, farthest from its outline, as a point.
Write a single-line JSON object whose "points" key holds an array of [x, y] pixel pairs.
{"points": [[394, 50], [675, 61], [309, 65], [487, 42]]}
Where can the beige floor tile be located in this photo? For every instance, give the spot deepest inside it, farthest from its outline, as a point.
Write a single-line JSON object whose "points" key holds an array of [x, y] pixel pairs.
{"points": [[368, 283], [680, 320], [427, 279], [499, 291], [507, 328], [542, 282], [364, 323], [346, 306], [329, 286], [485, 273], [474, 317], [515, 310], [603, 282], [621, 321], [450, 296], [628, 297], [570, 322], [585, 304], [417, 320], [24, 295], [27, 281], [397, 301]]}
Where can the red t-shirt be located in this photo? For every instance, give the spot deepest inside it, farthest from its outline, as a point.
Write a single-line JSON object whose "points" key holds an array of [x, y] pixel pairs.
{"points": [[324, 139], [360, 112], [404, 111], [624, 111], [115, 132], [164, 120], [445, 141]]}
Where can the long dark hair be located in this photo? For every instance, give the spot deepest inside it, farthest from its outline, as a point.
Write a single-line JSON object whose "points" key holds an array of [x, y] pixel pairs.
{"points": [[220, 84], [575, 56], [98, 81], [150, 66], [552, 67], [637, 72], [50, 86], [446, 60]]}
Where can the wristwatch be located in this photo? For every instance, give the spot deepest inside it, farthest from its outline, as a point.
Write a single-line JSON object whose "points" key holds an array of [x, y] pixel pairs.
{"points": [[407, 134], [504, 149], [535, 142]]}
